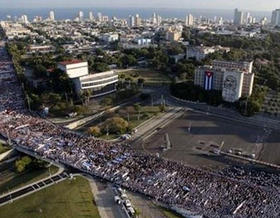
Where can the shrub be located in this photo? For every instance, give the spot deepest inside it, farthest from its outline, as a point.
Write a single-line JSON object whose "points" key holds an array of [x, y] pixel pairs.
{"points": [[95, 131], [115, 125]]}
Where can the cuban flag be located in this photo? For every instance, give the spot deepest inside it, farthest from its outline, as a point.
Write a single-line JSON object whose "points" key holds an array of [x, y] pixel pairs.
{"points": [[208, 81]]}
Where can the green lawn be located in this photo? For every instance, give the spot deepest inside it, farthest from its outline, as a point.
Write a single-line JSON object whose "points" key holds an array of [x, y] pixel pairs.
{"points": [[150, 76], [70, 198], [11, 180], [169, 213], [3, 148]]}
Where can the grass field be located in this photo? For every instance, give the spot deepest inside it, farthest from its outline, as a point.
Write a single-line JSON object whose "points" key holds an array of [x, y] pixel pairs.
{"points": [[169, 213], [10, 180], [3, 148], [150, 76], [70, 198]]}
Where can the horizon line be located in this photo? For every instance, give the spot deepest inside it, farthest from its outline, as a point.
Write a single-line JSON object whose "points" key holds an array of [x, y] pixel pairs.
{"points": [[163, 8]]}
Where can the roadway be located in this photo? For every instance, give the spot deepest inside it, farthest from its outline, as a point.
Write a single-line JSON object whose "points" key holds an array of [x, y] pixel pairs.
{"points": [[163, 93]]}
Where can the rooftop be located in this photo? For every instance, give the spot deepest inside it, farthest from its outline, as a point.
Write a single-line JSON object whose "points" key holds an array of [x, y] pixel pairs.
{"points": [[74, 61]]}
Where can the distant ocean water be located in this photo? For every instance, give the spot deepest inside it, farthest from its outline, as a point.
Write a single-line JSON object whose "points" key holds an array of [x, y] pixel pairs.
{"points": [[70, 13]]}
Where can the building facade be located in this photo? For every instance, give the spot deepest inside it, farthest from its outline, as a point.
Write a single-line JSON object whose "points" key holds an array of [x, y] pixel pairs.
{"points": [[234, 79], [275, 18], [238, 17], [98, 83]]}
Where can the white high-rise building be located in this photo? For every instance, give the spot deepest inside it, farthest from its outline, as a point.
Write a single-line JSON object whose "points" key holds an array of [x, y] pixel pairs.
{"points": [[159, 20], [189, 20], [90, 16], [154, 19], [81, 15], [51, 16], [238, 17], [131, 21], [275, 18], [138, 20], [99, 17], [220, 21], [247, 18], [263, 21], [24, 19]]}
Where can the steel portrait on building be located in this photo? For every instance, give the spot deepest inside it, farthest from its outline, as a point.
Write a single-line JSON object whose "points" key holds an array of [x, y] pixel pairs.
{"points": [[232, 88]]}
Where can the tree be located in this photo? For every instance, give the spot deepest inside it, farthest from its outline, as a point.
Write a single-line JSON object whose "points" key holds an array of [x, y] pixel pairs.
{"points": [[95, 131], [141, 82], [115, 125], [138, 108], [22, 163]]}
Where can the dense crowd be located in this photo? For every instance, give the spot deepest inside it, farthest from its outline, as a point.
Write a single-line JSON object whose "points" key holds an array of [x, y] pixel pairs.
{"points": [[229, 193]]}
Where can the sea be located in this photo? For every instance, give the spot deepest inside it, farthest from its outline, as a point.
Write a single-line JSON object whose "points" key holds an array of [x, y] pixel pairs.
{"points": [[70, 13]]}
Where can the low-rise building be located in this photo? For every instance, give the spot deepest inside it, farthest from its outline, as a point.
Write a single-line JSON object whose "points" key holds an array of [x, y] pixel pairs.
{"points": [[74, 68], [98, 83], [200, 52]]}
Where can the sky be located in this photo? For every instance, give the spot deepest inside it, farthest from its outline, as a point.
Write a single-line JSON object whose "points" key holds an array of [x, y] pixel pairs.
{"points": [[257, 5]]}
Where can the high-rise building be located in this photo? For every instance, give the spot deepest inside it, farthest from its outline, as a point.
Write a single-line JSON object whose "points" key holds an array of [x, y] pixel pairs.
{"points": [[51, 16], [220, 21], [81, 15], [90, 16], [238, 17], [24, 19], [99, 17], [154, 19], [275, 18], [131, 21], [189, 20], [138, 20], [159, 20], [263, 21]]}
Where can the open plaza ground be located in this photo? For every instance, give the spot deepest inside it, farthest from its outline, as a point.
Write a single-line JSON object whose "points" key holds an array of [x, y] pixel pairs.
{"points": [[194, 134], [70, 198]]}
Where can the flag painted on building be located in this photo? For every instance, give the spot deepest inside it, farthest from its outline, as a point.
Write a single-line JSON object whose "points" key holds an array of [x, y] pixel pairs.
{"points": [[208, 81]]}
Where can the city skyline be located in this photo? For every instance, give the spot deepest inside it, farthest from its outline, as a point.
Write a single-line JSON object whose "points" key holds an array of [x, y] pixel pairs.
{"points": [[256, 5]]}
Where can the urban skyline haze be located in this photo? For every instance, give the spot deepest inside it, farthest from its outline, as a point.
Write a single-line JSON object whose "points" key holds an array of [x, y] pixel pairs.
{"points": [[258, 5]]}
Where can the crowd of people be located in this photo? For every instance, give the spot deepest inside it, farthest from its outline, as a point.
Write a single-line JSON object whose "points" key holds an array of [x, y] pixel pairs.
{"points": [[229, 193]]}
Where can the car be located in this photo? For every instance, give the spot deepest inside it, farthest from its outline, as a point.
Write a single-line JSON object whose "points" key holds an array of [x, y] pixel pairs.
{"points": [[127, 203], [117, 199], [131, 211]]}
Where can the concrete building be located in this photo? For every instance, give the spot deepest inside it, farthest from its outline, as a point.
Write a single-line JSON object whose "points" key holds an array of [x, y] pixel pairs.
{"points": [[275, 18], [200, 52], [24, 19], [99, 83], [81, 15], [74, 68], [138, 20], [234, 79], [189, 20], [90, 16], [238, 17], [110, 37], [173, 34], [52, 16], [131, 22]]}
